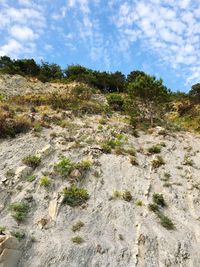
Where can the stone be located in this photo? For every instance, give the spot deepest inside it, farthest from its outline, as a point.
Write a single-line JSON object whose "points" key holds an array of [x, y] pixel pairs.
{"points": [[53, 209], [10, 258], [9, 242], [22, 172]]}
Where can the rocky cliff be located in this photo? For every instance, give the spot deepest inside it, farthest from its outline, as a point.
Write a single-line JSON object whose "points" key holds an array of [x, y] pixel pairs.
{"points": [[139, 204]]}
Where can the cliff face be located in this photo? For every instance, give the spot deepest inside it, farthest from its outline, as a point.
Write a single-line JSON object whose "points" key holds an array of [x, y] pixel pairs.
{"points": [[115, 226]]}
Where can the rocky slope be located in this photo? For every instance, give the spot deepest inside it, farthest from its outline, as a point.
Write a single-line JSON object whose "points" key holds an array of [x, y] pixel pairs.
{"points": [[116, 226]]}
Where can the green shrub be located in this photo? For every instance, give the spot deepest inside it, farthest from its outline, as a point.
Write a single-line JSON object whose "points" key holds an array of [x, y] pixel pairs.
{"points": [[139, 203], [77, 226], [64, 167], [117, 194], [32, 161], [154, 149], [115, 101], [84, 165], [19, 211], [45, 181], [30, 178], [77, 239], [127, 195], [74, 196], [106, 148], [159, 200], [166, 222], [154, 208], [19, 235], [157, 162], [188, 161]]}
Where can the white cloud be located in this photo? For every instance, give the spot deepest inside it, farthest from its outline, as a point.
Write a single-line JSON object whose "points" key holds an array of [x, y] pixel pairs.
{"points": [[13, 47], [23, 33], [169, 28]]}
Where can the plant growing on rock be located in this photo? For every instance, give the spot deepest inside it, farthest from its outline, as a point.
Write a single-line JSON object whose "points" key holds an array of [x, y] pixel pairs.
{"points": [[19, 235], [77, 240], [154, 149], [84, 165], [159, 200], [32, 161], [64, 167], [77, 226], [157, 162], [19, 211], [166, 222], [45, 181], [75, 196], [127, 196]]}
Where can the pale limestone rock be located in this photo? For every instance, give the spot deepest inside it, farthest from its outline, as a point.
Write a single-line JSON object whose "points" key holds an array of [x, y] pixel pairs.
{"points": [[53, 209], [10, 258], [22, 172]]}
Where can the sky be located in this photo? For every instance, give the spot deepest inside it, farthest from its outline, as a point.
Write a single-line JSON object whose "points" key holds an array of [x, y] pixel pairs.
{"points": [[160, 37]]}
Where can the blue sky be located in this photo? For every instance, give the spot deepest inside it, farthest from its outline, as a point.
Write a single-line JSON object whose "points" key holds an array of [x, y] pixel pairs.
{"points": [[160, 37]]}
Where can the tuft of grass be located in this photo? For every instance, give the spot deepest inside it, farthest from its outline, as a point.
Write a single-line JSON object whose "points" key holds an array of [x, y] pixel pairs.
{"points": [[154, 207], [127, 196], [188, 161], [10, 173], [116, 194], [2, 229], [19, 211], [32, 161], [64, 167], [157, 162], [45, 181], [77, 240], [37, 128], [139, 203], [159, 200], [156, 149], [77, 226], [84, 165], [31, 178], [166, 222], [134, 161], [75, 196], [19, 235]]}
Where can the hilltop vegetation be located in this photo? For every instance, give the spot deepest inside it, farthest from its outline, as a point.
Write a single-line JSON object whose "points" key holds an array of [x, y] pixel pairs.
{"points": [[146, 100], [88, 178]]}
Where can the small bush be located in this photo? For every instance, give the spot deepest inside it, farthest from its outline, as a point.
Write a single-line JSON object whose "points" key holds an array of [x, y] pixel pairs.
{"points": [[159, 200], [166, 222], [74, 196], [127, 195], [32, 161], [188, 161], [154, 208], [77, 240], [19, 211], [154, 149], [115, 101], [157, 162], [19, 235], [84, 165], [134, 161], [45, 181], [139, 203], [106, 148], [117, 194], [30, 178], [77, 226], [64, 167]]}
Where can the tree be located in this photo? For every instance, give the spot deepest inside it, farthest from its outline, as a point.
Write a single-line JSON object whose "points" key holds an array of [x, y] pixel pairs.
{"points": [[194, 93], [151, 93], [50, 72], [131, 77]]}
